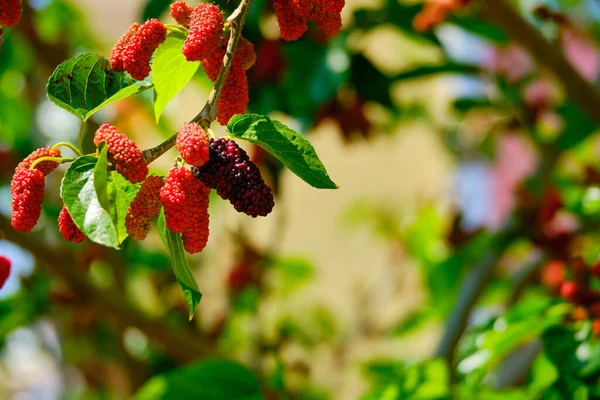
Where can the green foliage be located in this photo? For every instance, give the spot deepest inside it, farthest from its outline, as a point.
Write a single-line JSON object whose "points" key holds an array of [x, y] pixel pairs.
{"points": [[121, 193], [210, 379], [282, 142], [85, 84], [180, 264], [170, 71]]}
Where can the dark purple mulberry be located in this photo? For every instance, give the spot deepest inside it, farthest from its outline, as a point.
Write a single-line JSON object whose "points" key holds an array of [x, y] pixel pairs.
{"points": [[236, 178]]}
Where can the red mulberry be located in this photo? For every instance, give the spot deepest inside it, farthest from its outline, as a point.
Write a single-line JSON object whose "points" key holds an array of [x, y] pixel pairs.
{"points": [[292, 24], [234, 97], [144, 208], [245, 51], [45, 166], [10, 12], [236, 178], [5, 266], [181, 12], [214, 61], [192, 144], [330, 23], [123, 153], [206, 27], [67, 227], [178, 196], [140, 47], [27, 188], [333, 6], [116, 54], [195, 235]]}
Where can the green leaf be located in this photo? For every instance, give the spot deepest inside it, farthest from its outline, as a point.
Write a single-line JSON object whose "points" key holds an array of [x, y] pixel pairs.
{"points": [[181, 267], [121, 193], [170, 71], [85, 84], [78, 191], [210, 379], [100, 176], [282, 142]]}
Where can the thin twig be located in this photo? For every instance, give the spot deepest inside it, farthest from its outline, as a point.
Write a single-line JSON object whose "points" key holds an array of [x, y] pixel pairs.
{"points": [[208, 114]]}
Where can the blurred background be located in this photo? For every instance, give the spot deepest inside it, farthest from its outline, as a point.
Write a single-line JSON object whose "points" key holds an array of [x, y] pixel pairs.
{"points": [[464, 167]]}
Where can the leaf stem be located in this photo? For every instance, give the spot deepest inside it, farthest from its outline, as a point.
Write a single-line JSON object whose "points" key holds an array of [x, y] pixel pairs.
{"points": [[208, 113], [70, 146], [59, 160], [176, 28], [80, 138]]}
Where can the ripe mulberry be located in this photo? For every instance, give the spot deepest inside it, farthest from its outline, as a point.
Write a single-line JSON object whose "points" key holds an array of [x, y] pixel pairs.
{"points": [[45, 166], [236, 178], [140, 47], [181, 12], [10, 12], [123, 153], [5, 266], [116, 54], [292, 23], [67, 227], [206, 27], [144, 208], [27, 188], [234, 97], [192, 144]]}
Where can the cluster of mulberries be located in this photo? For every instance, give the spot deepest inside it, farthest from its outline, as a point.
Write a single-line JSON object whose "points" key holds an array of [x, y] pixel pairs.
{"points": [[236, 178], [5, 266], [133, 52], [293, 16], [181, 12], [10, 12], [67, 227], [436, 12], [185, 202], [123, 153], [206, 26], [573, 282], [27, 188], [192, 144], [144, 208]]}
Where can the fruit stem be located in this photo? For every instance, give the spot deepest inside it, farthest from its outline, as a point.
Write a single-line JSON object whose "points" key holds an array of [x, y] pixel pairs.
{"points": [[59, 160], [70, 146]]}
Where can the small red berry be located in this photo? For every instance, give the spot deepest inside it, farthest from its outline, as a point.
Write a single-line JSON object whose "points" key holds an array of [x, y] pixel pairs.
{"points": [[245, 51], [123, 153], [144, 208], [214, 61], [46, 167], [116, 54], [234, 97], [67, 227], [5, 267], [27, 188], [292, 23], [192, 144], [10, 12], [140, 47], [206, 27], [181, 12], [180, 198], [570, 291]]}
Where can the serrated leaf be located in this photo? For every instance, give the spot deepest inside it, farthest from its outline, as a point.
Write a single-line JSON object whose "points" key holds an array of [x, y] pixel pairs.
{"points": [[121, 193], [85, 84], [170, 71], [181, 267], [210, 379], [284, 143], [78, 192]]}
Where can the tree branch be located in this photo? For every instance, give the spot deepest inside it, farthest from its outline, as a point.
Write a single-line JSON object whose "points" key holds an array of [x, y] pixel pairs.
{"points": [[181, 345], [208, 114], [580, 91]]}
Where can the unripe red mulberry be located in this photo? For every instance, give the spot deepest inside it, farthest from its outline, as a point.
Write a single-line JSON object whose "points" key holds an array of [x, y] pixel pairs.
{"points": [[5, 266], [123, 153], [292, 24], [206, 27], [236, 178], [10, 12], [180, 198], [234, 97], [144, 208], [46, 167], [67, 227], [192, 144], [214, 61], [181, 12], [330, 23], [195, 235], [332, 6], [571, 292], [140, 47], [245, 51], [116, 54], [27, 188]]}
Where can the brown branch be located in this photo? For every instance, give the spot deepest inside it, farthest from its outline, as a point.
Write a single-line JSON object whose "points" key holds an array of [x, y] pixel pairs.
{"points": [[208, 114], [580, 91], [180, 344]]}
